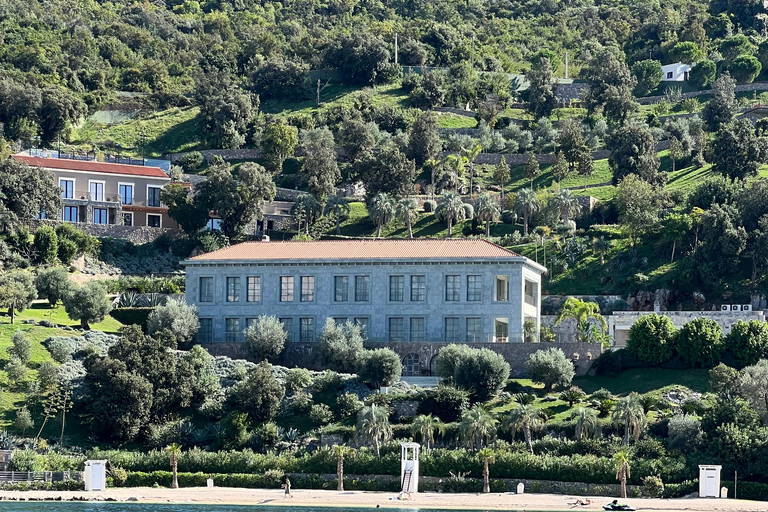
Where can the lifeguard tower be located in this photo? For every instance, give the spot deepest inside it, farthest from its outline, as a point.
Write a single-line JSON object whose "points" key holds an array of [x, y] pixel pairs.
{"points": [[409, 467]]}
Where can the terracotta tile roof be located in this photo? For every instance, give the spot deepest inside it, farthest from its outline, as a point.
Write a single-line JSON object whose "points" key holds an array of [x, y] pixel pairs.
{"points": [[381, 249], [92, 166]]}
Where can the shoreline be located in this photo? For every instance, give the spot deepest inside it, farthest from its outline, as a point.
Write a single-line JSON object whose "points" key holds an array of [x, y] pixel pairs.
{"points": [[368, 499]]}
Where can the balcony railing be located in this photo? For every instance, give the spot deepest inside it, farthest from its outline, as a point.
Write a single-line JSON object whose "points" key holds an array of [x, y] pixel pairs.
{"points": [[530, 300]]}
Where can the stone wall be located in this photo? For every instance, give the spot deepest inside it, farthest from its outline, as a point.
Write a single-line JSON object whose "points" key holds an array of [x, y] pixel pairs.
{"points": [[226, 154], [516, 354], [137, 234], [755, 86]]}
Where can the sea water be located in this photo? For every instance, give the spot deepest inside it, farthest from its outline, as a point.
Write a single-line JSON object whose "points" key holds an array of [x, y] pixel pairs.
{"points": [[59, 506]]}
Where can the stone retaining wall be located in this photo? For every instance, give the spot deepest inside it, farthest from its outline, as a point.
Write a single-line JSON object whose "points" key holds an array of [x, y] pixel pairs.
{"points": [[516, 354], [755, 86], [137, 234]]}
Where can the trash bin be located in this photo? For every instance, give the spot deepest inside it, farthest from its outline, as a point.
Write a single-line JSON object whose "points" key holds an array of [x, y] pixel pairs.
{"points": [[520, 488], [724, 492], [209, 482]]}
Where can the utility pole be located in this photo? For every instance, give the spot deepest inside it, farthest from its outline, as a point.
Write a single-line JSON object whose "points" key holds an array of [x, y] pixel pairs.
{"points": [[566, 64], [395, 47]]}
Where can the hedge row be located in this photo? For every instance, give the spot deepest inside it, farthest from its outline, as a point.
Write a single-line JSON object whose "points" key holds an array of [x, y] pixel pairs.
{"points": [[130, 316], [437, 463]]}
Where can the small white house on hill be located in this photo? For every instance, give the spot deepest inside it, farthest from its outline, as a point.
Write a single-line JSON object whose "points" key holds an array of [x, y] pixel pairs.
{"points": [[677, 72]]}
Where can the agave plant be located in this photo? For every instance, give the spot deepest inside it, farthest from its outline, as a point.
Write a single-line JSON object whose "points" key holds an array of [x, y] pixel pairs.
{"points": [[154, 300], [200, 436], [524, 398], [129, 299], [7, 441]]}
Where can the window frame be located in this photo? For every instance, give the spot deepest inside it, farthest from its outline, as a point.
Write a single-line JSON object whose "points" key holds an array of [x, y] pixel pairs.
{"points": [[66, 209], [203, 321], [423, 334], [130, 214], [344, 280], [455, 288], [120, 194], [103, 215], [232, 336], [200, 289], [309, 331], [234, 296], [456, 332], [74, 183], [398, 292], [288, 326], [391, 336], [476, 290], [159, 203], [160, 218], [287, 293], [311, 292], [419, 287], [249, 296], [477, 334], [367, 279], [103, 189]]}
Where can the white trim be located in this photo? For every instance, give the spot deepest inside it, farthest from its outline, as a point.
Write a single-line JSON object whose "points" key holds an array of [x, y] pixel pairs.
{"points": [[102, 173], [103, 189], [74, 186], [133, 190], [146, 220], [146, 202]]}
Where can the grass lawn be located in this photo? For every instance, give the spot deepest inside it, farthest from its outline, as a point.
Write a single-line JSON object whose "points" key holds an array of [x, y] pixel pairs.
{"points": [[644, 380], [168, 131], [449, 120], [42, 311], [339, 95]]}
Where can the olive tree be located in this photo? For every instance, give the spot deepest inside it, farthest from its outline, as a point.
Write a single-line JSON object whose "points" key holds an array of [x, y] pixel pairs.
{"points": [[17, 291], [266, 337], [341, 346], [178, 317], [52, 284], [88, 303], [551, 368], [380, 367]]}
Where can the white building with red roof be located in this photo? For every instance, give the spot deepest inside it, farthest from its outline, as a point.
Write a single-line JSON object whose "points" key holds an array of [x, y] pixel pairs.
{"points": [[106, 193], [398, 290]]}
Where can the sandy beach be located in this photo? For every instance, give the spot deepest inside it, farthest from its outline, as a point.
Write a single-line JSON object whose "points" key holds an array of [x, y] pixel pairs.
{"points": [[492, 501]]}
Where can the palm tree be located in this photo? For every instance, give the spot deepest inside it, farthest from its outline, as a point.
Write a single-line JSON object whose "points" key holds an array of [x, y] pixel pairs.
{"points": [[406, 212], [582, 312], [339, 208], [567, 203], [629, 413], [455, 164], [477, 424], [425, 426], [373, 425], [587, 423], [601, 246], [341, 451], [450, 209], [526, 204], [174, 450], [471, 154], [305, 209], [572, 395], [623, 472], [525, 419], [380, 210], [487, 210], [488, 457]]}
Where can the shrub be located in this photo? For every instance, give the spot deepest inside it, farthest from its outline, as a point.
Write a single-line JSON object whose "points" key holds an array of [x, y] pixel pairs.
{"points": [[484, 372], [16, 371], [320, 414], [341, 346], [178, 317], [448, 358], [132, 316], [430, 206], [297, 378], [192, 161], [47, 375], [20, 347], [67, 251], [52, 284], [23, 420], [469, 211], [88, 303], [380, 367], [46, 244], [301, 402], [76, 242], [684, 432], [550, 367], [266, 338], [445, 402], [260, 394], [650, 339], [653, 486], [700, 343], [348, 404], [748, 341]]}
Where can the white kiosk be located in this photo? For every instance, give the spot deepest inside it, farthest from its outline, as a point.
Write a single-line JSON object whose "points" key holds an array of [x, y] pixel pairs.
{"points": [[709, 481], [95, 475], [409, 467]]}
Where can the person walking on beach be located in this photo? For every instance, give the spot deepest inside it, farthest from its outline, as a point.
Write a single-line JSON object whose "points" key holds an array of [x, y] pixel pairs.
{"points": [[287, 487]]}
